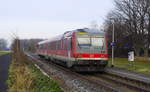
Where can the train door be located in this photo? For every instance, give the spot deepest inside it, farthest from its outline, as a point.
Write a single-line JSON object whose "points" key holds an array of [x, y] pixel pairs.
{"points": [[69, 46]]}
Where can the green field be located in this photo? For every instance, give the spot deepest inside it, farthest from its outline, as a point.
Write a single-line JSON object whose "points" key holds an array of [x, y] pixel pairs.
{"points": [[136, 66], [4, 52]]}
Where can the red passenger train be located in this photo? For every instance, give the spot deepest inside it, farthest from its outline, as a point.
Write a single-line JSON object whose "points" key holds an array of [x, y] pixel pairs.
{"points": [[81, 49]]}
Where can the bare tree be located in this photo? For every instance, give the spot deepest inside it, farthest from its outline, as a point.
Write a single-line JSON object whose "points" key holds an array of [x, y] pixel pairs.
{"points": [[121, 33], [94, 25], [134, 19], [29, 44]]}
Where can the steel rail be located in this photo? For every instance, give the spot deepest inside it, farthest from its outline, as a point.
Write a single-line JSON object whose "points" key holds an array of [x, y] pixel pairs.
{"points": [[130, 83]]}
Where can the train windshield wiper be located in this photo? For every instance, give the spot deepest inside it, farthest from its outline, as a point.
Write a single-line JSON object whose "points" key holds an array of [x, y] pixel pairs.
{"points": [[79, 45]]}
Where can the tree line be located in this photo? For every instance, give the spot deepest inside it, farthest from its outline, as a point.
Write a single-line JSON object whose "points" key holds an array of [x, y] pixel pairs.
{"points": [[3, 44], [131, 20], [29, 44]]}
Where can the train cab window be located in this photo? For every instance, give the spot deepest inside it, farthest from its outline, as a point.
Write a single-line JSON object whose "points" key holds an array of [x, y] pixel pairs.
{"points": [[91, 41], [84, 41], [97, 41], [91, 44]]}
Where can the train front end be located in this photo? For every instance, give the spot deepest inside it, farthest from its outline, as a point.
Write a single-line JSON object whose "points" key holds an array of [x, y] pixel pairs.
{"points": [[90, 50]]}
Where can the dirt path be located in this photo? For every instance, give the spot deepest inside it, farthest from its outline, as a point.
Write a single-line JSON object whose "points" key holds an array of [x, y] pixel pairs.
{"points": [[4, 65]]}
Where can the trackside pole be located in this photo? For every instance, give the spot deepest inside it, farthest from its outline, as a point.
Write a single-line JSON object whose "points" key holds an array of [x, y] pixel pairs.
{"points": [[113, 43]]}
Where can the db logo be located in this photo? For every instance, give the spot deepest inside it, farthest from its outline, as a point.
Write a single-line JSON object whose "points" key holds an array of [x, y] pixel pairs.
{"points": [[102, 56], [91, 56]]}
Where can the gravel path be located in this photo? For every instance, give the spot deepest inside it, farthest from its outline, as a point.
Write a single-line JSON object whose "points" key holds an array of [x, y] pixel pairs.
{"points": [[4, 65]]}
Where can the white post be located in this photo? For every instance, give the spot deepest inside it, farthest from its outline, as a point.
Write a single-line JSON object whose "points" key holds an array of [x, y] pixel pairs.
{"points": [[113, 40]]}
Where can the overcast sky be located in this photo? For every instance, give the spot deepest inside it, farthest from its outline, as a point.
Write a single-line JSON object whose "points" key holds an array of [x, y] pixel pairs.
{"points": [[48, 18]]}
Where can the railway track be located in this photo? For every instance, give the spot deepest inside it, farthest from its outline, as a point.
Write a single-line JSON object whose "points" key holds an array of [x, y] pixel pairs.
{"points": [[107, 82], [123, 82], [136, 85]]}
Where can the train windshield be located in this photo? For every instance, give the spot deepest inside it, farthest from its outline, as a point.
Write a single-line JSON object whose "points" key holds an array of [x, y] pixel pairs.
{"points": [[91, 44], [91, 41]]}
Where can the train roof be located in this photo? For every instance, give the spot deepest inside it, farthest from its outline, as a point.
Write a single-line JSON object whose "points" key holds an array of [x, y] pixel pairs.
{"points": [[91, 31], [52, 39], [68, 33]]}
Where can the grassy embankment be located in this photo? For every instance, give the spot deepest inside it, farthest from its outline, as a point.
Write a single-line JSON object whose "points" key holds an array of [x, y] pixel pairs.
{"points": [[4, 52], [141, 65], [24, 77]]}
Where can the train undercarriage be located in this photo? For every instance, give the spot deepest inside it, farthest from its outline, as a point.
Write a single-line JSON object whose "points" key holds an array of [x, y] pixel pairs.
{"points": [[80, 66]]}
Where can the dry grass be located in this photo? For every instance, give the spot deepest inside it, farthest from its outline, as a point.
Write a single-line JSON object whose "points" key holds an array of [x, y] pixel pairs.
{"points": [[20, 79], [24, 77]]}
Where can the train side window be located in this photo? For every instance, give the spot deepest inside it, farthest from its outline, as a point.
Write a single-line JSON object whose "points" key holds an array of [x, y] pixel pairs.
{"points": [[41, 46], [55, 46], [62, 44], [58, 45], [49, 46]]}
